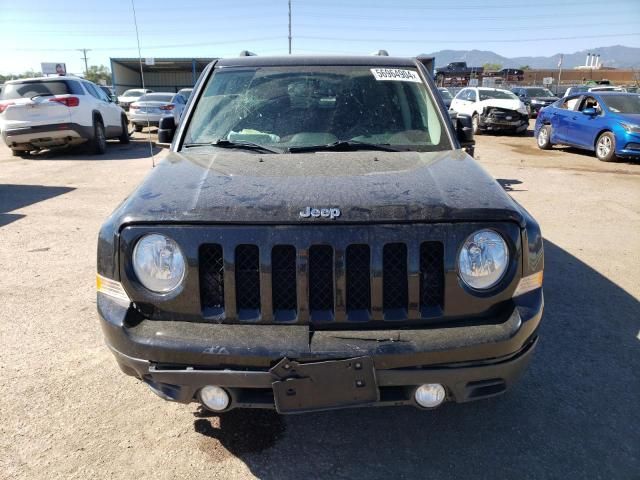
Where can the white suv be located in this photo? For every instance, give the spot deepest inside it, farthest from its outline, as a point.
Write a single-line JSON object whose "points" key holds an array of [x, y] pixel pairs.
{"points": [[37, 113]]}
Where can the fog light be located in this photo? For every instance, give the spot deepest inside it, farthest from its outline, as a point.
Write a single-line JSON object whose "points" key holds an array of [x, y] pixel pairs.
{"points": [[214, 398], [430, 395]]}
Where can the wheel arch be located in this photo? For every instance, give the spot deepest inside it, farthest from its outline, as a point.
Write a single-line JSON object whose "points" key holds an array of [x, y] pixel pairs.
{"points": [[604, 130]]}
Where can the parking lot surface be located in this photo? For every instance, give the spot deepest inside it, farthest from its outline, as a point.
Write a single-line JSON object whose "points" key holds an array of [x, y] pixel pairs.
{"points": [[68, 412]]}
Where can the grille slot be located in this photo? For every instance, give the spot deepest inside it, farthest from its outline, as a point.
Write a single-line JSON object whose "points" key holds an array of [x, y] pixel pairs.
{"points": [[321, 278], [283, 280], [358, 261], [395, 294], [247, 277], [431, 274], [211, 279]]}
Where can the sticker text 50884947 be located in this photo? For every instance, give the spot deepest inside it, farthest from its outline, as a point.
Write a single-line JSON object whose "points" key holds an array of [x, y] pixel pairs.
{"points": [[396, 75]]}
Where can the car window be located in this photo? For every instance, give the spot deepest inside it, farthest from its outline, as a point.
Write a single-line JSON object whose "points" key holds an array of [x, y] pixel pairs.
{"points": [[311, 105], [157, 97], [133, 93], [92, 90], [623, 103], [472, 96], [31, 88], [569, 103], [461, 95], [588, 102], [497, 94]]}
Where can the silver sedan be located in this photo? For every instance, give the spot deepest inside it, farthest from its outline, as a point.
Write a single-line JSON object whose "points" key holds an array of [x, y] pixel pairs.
{"points": [[150, 108]]}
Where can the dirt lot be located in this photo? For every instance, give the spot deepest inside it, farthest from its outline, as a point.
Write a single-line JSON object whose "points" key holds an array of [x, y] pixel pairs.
{"points": [[68, 412]]}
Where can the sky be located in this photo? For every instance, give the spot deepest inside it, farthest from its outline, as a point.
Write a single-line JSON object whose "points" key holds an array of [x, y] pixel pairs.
{"points": [[35, 31]]}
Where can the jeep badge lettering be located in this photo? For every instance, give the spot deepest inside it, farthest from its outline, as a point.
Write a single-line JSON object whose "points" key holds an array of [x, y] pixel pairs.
{"points": [[331, 213]]}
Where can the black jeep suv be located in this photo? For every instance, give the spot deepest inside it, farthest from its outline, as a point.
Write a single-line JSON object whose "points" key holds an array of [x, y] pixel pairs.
{"points": [[319, 238]]}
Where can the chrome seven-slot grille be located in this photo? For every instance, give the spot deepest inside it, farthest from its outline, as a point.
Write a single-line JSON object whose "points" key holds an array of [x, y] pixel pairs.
{"points": [[319, 284]]}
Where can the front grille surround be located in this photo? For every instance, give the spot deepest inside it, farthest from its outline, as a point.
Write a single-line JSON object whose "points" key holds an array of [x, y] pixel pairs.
{"points": [[197, 301]]}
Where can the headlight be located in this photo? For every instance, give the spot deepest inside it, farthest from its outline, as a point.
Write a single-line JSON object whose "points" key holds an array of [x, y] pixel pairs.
{"points": [[536, 101], [483, 259], [158, 263], [630, 128]]}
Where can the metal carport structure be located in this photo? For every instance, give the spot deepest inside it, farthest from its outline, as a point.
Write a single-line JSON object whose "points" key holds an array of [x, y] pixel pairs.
{"points": [[164, 75]]}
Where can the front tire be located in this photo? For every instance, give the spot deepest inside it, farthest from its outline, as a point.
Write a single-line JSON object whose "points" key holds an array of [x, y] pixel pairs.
{"points": [[20, 153], [606, 147], [124, 136], [544, 138], [99, 141]]}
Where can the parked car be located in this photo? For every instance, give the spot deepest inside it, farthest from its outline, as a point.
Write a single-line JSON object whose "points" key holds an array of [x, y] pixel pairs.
{"points": [[150, 108], [594, 88], [130, 96], [511, 75], [535, 98], [492, 109], [317, 238], [185, 92], [605, 122], [38, 113], [446, 96]]}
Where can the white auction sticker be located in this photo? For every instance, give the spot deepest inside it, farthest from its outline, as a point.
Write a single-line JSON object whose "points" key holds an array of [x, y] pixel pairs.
{"points": [[396, 74]]}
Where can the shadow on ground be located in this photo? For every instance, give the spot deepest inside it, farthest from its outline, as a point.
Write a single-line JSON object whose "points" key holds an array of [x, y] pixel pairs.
{"points": [[137, 148], [573, 415], [14, 197]]}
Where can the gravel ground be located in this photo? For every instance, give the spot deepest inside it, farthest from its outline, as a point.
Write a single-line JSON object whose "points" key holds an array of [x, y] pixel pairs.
{"points": [[68, 412]]}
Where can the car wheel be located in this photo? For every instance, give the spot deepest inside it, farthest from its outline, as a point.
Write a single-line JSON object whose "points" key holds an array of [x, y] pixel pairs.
{"points": [[124, 136], [606, 147], [529, 112], [475, 124], [99, 141], [137, 128], [544, 138]]}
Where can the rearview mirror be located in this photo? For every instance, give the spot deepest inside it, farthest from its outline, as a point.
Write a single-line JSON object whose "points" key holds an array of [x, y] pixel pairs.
{"points": [[166, 130], [464, 132], [590, 111]]}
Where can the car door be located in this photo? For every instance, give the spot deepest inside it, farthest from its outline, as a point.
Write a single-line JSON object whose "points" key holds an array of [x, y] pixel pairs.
{"points": [[560, 118], [582, 128], [110, 116]]}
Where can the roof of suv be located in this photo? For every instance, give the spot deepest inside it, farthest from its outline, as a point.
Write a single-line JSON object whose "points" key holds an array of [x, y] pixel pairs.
{"points": [[316, 60], [44, 79]]}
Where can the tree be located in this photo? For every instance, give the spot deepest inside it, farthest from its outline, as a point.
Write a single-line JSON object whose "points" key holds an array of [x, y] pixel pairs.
{"points": [[98, 74], [492, 66], [525, 67]]}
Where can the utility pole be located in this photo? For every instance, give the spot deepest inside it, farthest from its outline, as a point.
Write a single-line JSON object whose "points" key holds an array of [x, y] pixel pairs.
{"points": [[84, 56], [289, 27]]}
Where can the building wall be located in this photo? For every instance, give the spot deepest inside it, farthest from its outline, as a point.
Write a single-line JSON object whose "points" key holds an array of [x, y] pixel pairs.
{"points": [[124, 78], [572, 76], [168, 81]]}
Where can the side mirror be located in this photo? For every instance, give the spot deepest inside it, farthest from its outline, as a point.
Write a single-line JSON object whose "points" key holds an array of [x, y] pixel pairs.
{"points": [[166, 130], [464, 132], [592, 112], [114, 99]]}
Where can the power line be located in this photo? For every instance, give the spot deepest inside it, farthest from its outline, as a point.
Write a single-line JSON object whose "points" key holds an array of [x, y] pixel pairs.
{"points": [[484, 40]]}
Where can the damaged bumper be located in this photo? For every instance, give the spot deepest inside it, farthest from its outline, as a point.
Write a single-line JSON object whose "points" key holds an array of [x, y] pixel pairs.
{"points": [[494, 118], [176, 359]]}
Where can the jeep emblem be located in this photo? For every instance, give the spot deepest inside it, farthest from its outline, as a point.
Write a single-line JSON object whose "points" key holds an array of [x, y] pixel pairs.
{"points": [[331, 213]]}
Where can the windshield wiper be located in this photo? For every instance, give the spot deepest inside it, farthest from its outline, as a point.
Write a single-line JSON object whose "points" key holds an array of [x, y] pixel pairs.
{"points": [[245, 145], [347, 146]]}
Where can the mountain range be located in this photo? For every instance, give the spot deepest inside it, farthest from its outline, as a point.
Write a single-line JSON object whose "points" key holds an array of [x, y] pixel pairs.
{"points": [[616, 56]]}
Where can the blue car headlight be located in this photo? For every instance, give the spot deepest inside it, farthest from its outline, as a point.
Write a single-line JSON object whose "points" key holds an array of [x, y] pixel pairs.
{"points": [[630, 128]]}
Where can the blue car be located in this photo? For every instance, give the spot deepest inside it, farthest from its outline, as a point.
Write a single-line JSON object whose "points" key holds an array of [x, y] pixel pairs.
{"points": [[605, 122]]}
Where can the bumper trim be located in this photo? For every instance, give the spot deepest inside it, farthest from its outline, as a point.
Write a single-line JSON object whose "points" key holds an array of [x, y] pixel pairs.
{"points": [[463, 383]]}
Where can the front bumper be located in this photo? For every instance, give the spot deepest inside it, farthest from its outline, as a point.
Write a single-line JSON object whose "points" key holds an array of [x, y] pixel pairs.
{"points": [[176, 359], [518, 122]]}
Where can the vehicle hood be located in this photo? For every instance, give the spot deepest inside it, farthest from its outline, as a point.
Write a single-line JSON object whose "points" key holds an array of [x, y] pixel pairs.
{"points": [[545, 99], [629, 117], [222, 186], [502, 103]]}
